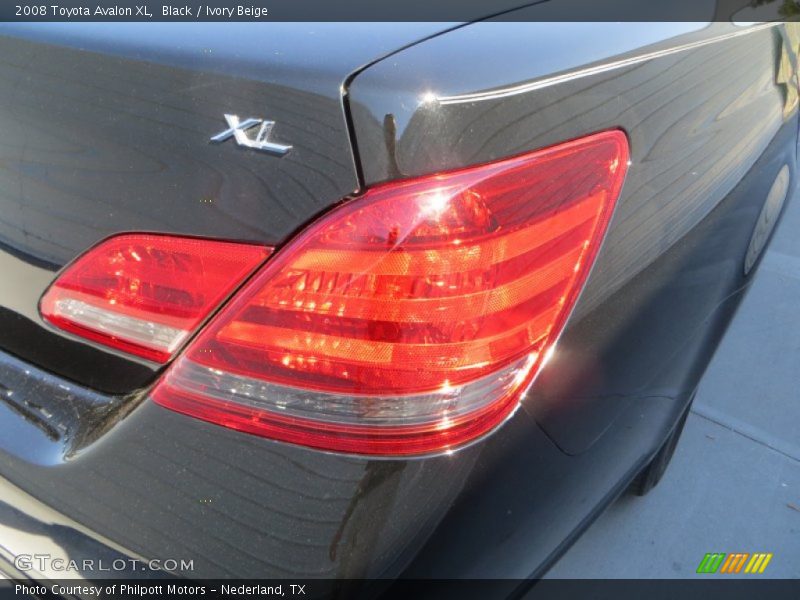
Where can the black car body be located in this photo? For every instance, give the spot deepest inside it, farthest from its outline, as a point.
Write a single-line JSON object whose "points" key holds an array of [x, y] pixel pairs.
{"points": [[106, 130]]}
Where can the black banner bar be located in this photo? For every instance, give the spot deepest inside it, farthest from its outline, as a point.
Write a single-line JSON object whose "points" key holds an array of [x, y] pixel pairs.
{"points": [[710, 588], [743, 11]]}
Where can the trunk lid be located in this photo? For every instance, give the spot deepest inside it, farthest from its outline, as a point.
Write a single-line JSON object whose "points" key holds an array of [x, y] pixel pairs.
{"points": [[106, 127]]}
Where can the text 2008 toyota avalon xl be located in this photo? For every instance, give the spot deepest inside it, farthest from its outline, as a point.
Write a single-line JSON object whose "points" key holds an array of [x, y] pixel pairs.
{"points": [[367, 301]]}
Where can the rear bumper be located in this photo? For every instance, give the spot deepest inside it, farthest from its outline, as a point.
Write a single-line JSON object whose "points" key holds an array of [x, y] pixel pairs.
{"points": [[38, 543], [104, 501]]}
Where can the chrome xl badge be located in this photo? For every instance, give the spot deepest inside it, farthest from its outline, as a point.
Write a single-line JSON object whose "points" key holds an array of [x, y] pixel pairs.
{"points": [[238, 130]]}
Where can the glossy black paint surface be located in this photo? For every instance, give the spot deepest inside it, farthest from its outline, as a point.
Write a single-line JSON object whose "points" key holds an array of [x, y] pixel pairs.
{"points": [[697, 119], [106, 129], [710, 128]]}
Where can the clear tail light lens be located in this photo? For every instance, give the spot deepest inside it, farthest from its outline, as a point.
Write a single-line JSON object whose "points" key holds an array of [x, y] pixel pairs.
{"points": [[145, 294], [411, 319]]}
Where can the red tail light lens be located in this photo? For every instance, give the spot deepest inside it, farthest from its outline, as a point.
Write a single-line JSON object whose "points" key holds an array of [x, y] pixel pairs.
{"points": [[145, 294], [409, 320]]}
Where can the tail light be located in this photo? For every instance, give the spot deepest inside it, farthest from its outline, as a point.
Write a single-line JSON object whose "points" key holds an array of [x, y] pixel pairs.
{"points": [[145, 294], [409, 320]]}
